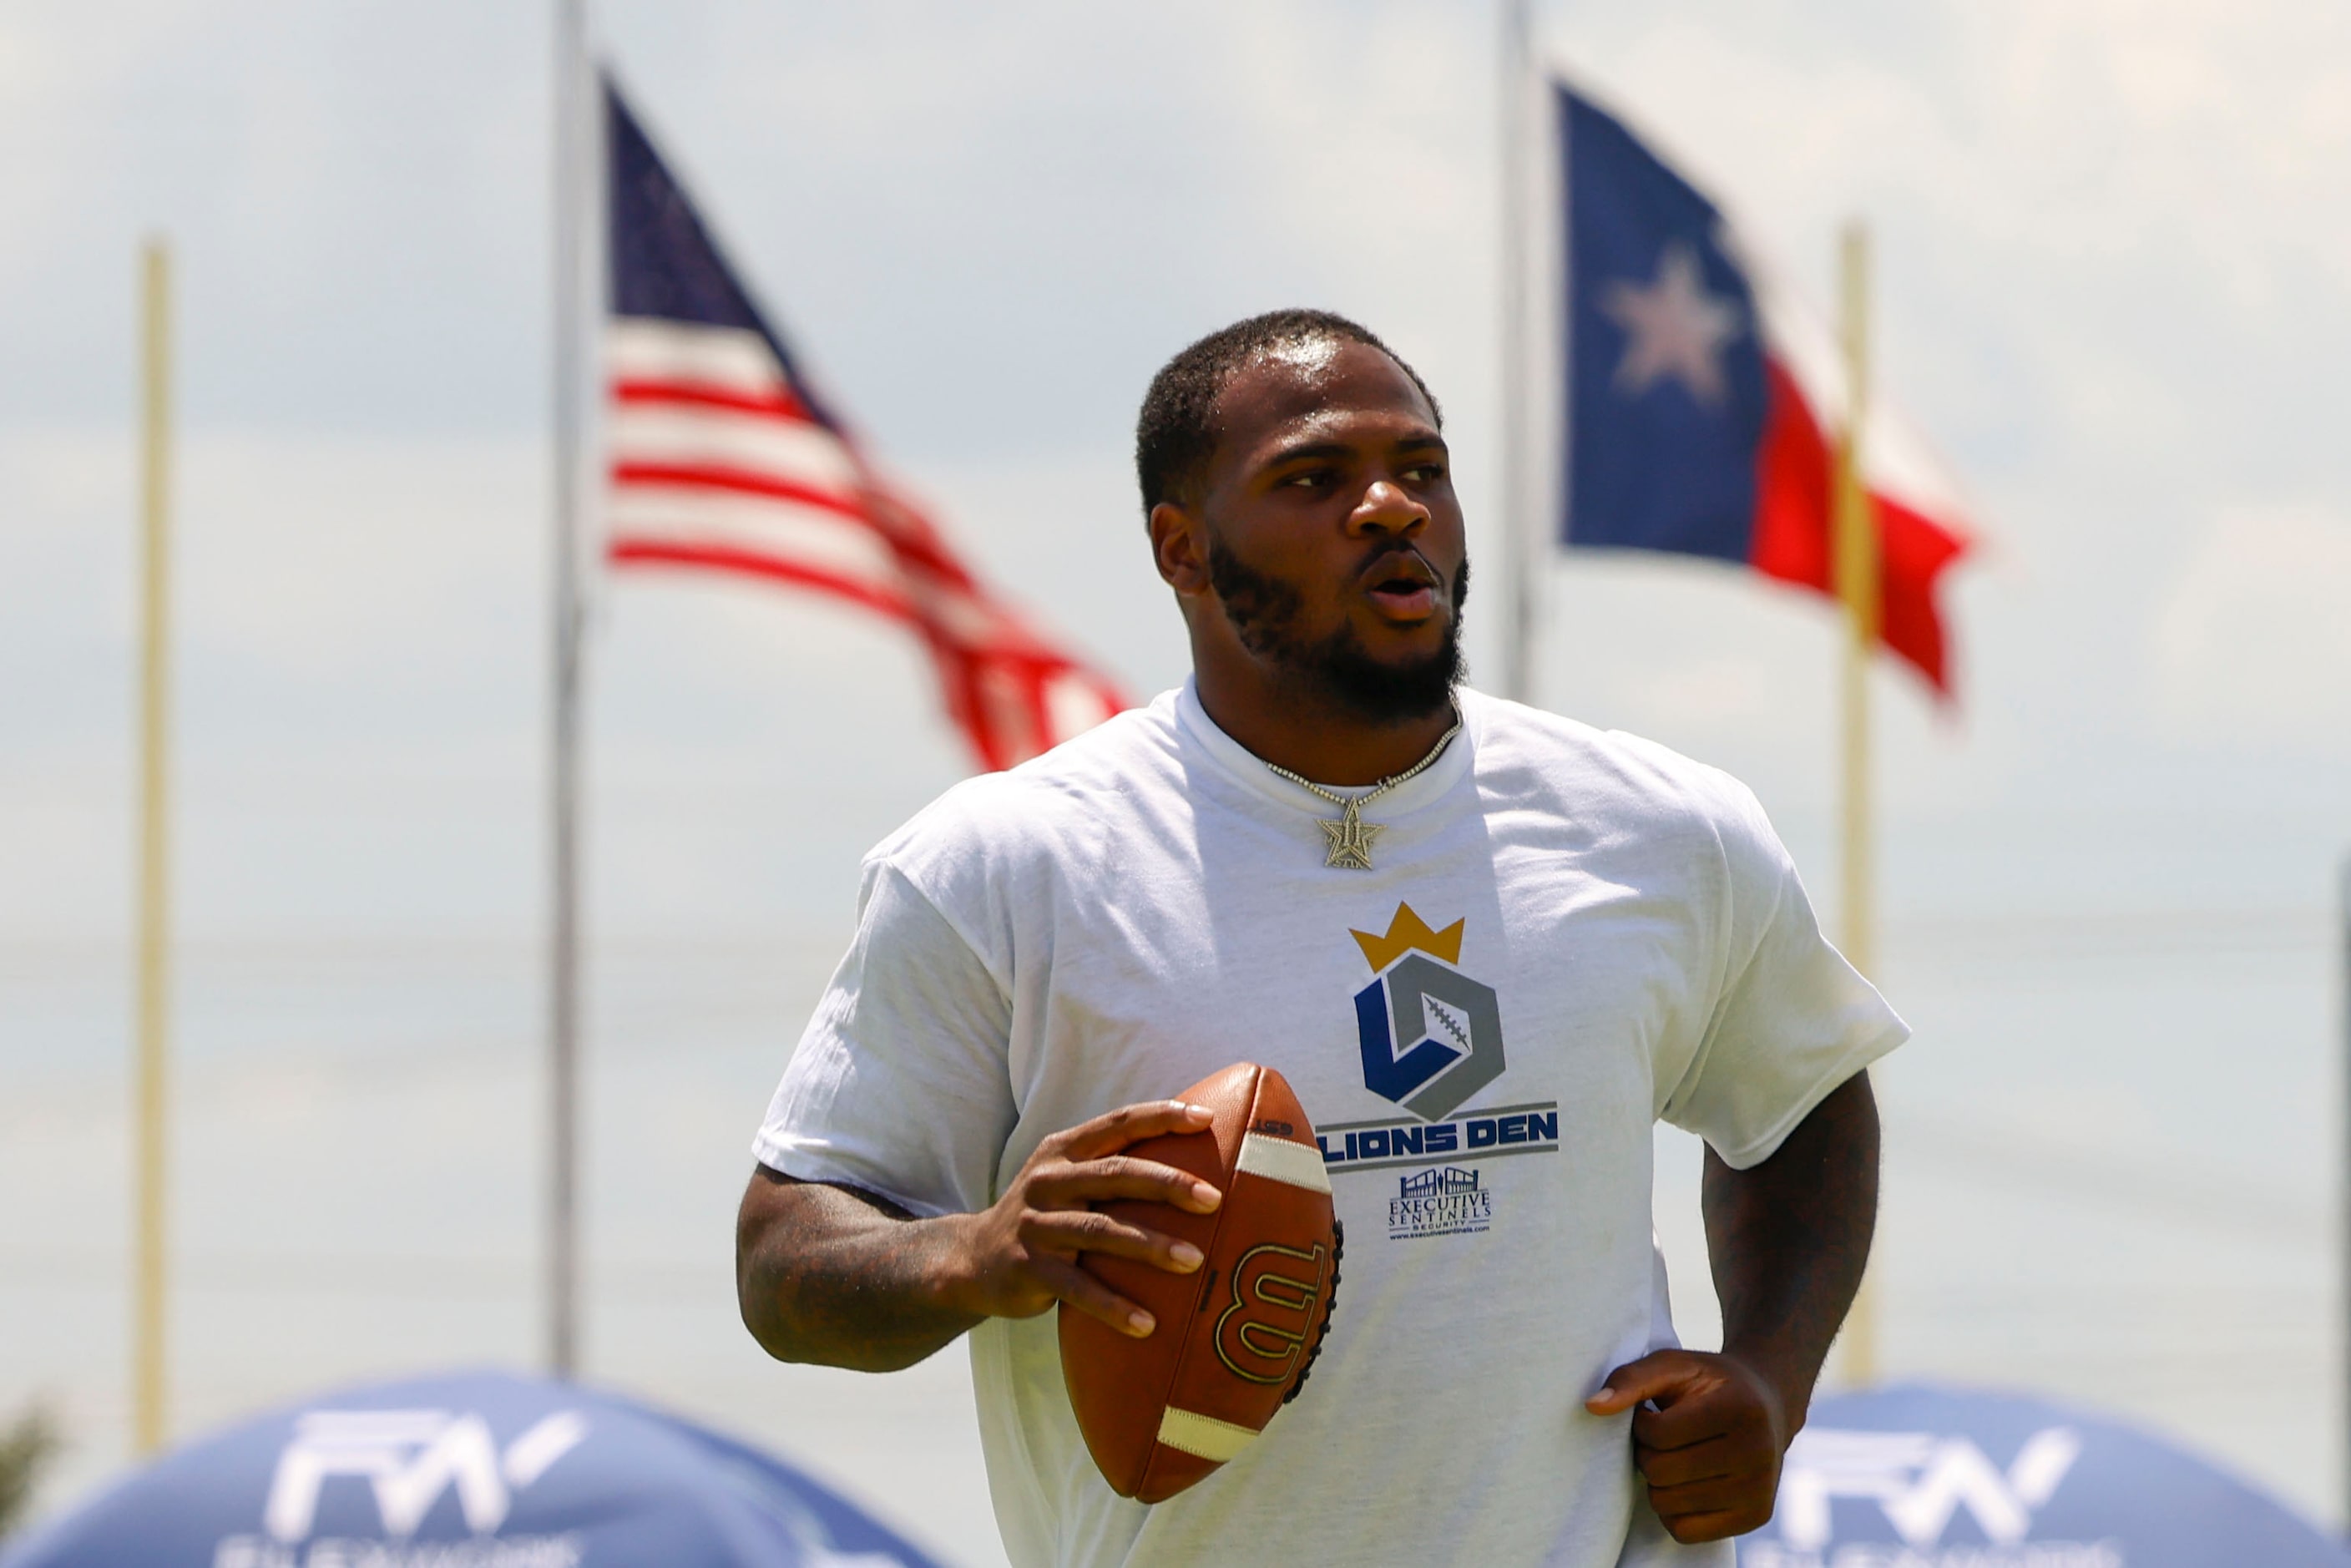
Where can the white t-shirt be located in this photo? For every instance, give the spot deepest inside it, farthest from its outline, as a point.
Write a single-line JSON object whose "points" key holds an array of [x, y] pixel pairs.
{"points": [[1566, 935]]}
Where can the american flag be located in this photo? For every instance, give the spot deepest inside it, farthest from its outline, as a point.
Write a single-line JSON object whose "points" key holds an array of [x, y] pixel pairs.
{"points": [[724, 458]]}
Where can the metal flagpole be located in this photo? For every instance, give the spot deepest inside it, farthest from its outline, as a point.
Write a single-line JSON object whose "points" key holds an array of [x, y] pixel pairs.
{"points": [[2343, 1307], [563, 946], [1520, 561], [1855, 547], [150, 1284]]}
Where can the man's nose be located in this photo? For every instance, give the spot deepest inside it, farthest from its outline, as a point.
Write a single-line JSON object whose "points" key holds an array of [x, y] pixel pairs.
{"points": [[1387, 507]]}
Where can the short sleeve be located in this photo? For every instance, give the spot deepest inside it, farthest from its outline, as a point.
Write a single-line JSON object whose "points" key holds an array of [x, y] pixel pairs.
{"points": [[1791, 1020], [899, 1086]]}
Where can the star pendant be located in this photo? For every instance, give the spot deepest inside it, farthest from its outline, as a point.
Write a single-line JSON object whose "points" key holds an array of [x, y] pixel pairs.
{"points": [[1349, 841]]}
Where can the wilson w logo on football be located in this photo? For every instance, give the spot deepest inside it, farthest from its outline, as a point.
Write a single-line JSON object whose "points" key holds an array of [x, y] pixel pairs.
{"points": [[1276, 1291]]}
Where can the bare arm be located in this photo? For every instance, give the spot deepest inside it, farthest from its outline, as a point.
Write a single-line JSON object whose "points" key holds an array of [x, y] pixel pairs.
{"points": [[829, 1274], [1787, 1240], [841, 1278]]}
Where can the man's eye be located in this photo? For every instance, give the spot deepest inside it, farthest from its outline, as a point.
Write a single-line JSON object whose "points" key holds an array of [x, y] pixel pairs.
{"points": [[1424, 473], [1310, 479]]}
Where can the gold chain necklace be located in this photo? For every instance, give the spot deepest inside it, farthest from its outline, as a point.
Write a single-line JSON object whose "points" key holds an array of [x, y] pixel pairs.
{"points": [[1348, 840]]}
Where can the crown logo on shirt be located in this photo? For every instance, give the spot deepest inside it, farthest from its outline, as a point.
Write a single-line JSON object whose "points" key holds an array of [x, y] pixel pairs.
{"points": [[1406, 933], [1431, 1035]]}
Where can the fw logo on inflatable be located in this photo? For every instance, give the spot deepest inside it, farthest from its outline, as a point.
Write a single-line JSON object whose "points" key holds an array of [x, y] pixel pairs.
{"points": [[1919, 1480]]}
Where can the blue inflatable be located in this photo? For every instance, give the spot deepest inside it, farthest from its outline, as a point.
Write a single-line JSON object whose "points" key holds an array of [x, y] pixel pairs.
{"points": [[1919, 1476], [484, 1471]]}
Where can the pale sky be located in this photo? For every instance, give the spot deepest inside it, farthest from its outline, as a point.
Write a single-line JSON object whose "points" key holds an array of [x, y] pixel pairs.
{"points": [[2115, 289]]}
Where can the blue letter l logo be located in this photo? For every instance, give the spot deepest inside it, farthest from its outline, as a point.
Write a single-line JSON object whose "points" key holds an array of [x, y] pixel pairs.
{"points": [[1386, 1073]]}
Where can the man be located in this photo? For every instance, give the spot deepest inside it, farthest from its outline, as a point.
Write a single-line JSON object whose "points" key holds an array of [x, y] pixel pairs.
{"points": [[1488, 947]]}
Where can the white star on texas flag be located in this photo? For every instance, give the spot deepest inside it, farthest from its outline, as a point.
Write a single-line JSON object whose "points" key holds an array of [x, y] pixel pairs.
{"points": [[1673, 328]]}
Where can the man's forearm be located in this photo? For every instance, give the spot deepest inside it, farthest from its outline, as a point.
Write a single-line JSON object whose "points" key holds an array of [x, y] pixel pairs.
{"points": [[1789, 1240], [842, 1279]]}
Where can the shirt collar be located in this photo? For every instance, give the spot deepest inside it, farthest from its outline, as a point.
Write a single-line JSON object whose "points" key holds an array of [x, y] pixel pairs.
{"points": [[1249, 770]]}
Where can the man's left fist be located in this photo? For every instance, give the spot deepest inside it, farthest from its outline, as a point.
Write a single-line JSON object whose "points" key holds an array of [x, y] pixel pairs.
{"points": [[1711, 1447]]}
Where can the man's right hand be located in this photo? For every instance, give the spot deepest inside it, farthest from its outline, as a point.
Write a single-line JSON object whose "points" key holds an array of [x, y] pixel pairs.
{"points": [[843, 1278], [1019, 1256]]}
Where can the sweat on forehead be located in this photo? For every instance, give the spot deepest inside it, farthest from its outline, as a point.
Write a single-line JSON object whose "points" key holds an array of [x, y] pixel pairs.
{"points": [[1308, 356], [1175, 434]]}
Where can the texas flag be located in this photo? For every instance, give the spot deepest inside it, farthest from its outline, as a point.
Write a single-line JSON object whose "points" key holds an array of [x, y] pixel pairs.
{"points": [[724, 458], [1699, 393]]}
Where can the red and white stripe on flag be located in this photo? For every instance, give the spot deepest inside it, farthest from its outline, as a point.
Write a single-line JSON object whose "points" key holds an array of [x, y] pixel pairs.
{"points": [[717, 462]]}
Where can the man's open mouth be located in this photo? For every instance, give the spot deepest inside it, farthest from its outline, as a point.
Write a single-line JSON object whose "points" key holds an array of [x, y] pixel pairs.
{"points": [[1403, 584]]}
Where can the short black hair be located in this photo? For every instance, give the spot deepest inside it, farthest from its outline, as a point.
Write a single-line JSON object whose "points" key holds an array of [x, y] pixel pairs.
{"points": [[1173, 436]]}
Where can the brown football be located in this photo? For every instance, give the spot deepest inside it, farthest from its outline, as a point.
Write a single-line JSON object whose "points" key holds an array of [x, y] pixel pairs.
{"points": [[1233, 1340]]}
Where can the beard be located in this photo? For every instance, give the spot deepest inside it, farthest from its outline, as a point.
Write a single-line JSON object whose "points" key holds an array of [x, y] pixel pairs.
{"points": [[1265, 611]]}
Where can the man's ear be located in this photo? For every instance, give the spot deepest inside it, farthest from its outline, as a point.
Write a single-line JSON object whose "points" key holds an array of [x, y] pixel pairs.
{"points": [[1180, 546]]}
